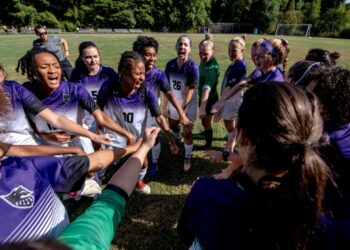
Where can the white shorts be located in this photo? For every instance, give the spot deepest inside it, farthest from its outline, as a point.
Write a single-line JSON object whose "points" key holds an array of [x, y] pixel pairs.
{"points": [[231, 106], [190, 111]]}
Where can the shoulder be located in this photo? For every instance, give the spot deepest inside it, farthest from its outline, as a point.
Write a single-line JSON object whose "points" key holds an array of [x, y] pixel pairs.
{"points": [[171, 63]]}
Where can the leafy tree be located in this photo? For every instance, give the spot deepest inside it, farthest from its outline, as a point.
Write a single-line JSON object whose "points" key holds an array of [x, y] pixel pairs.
{"points": [[48, 19], [334, 20], [264, 14]]}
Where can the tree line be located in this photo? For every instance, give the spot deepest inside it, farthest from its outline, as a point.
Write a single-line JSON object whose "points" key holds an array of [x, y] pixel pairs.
{"points": [[328, 17]]}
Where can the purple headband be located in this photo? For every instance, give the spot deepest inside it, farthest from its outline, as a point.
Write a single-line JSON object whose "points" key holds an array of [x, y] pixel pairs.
{"points": [[268, 46]]}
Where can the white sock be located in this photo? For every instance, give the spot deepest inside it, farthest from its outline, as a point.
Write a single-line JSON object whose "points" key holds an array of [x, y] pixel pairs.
{"points": [[188, 150], [142, 174], [156, 153], [229, 135]]}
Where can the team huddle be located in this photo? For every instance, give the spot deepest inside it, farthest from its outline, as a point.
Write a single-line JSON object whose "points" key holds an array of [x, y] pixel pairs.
{"points": [[288, 143]]}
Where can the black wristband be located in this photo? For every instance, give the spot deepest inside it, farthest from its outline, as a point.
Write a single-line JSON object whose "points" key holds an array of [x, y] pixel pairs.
{"points": [[225, 155]]}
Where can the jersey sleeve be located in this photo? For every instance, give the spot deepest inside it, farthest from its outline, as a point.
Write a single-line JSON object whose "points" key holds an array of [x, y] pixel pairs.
{"points": [[211, 78], [96, 227], [102, 95], [152, 103], [64, 174], [192, 75], [86, 100], [29, 101], [164, 83]]}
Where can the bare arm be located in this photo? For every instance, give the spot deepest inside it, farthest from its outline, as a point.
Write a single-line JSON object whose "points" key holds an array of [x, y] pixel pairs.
{"points": [[204, 101], [105, 121], [183, 118], [99, 160], [164, 126], [128, 174], [29, 150], [228, 92], [63, 123], [65, 47], [189, 93]]}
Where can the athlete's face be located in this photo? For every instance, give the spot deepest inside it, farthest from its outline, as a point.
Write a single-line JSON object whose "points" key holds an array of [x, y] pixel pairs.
{"points": [[91, 59], [253, 51], [135, 77], [263, 59], [42, 33], [183, 48], [150, 56], [2, 76], [235, 51], [49, 71], [206, 53]]}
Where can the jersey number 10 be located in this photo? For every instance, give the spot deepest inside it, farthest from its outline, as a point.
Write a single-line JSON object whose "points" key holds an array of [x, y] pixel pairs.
{"points": [[128, 117]]}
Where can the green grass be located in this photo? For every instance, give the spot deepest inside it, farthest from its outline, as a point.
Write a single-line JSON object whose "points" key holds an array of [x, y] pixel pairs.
{"points": [[150, 221]]}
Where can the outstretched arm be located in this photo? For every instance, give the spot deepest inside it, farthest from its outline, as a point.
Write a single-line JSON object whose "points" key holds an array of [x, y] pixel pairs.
{"points": [[63, 123], [29, 150], [183, 118], [65, 47], [96, 227], [105, 121], [165, 127]]}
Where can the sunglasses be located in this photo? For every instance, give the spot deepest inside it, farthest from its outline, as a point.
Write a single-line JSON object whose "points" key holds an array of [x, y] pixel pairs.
{"points": [[43, 33]]}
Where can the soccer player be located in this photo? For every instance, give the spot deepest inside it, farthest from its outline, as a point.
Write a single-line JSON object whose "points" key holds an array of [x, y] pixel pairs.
{"points": [[157, 82], [183, 75], [209, 71], [128, 100]]}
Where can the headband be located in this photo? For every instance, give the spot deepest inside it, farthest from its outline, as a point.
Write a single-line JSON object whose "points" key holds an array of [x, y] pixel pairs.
{"points": [[307, 71], [268, 46]]}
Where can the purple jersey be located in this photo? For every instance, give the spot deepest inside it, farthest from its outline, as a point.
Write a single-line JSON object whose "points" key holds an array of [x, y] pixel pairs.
{"points": [[157, 81], [69, 100], [28, 203], [181, 77], [255, 74], [130, 112], [235, 73], [274, 75], [340, 136], [18, 130], [93, 83]]}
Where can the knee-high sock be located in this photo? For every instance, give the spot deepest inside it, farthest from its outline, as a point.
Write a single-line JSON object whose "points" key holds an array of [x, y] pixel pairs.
{"points": [[142, 173], [188, 150], [208, 135]]}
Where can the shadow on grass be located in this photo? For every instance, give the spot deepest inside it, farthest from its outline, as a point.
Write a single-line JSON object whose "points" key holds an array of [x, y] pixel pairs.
{"points": [[150, 223]]}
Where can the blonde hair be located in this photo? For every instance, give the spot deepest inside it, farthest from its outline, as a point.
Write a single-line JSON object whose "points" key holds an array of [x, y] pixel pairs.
{"points": [[241, 40], [207, 41], [282, 51]]}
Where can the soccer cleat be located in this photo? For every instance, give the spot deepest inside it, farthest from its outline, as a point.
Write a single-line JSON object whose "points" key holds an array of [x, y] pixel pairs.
{"points": [[187, 164], [91, 188], [153, 169], [143, 188]]}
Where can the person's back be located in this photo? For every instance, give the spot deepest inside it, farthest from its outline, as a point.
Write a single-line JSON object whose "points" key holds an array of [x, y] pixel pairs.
{"points": [[275, 202]]}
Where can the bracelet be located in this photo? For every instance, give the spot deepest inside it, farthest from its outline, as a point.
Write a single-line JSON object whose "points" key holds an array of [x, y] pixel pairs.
{"points": [[225, 155]]}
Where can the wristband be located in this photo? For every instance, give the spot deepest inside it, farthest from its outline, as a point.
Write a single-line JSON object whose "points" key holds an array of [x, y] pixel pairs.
{"points": [[225, 155]]}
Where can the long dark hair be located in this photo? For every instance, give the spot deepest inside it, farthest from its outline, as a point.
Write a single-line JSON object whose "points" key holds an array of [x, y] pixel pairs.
{"points": [[283, 125], [79, 63]]}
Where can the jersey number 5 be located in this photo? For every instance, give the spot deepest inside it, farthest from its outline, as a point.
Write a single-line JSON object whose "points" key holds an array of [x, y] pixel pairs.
{"points": [[128, 117]]}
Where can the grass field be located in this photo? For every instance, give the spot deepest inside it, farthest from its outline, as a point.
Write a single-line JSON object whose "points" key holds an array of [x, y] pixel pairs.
{"points": [[150, 221]]}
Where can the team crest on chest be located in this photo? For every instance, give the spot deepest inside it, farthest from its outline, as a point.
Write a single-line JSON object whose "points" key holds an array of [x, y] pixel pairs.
{"points": [[19, 197], [66, 98]]}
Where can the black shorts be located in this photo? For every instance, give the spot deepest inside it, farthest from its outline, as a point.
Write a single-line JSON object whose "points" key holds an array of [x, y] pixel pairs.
{"points": [[210, 104]]}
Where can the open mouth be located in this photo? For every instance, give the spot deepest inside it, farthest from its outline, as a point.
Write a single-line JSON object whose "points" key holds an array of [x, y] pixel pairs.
{"points": [[53, 79]]}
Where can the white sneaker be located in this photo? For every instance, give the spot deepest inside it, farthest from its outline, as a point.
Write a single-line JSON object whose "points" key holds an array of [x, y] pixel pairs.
{"points": [[90, 188], [143, 188]]}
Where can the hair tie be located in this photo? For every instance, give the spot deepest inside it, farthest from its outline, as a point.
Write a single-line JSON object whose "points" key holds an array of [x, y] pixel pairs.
{"points": [[307, 71], [268, 46]]}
